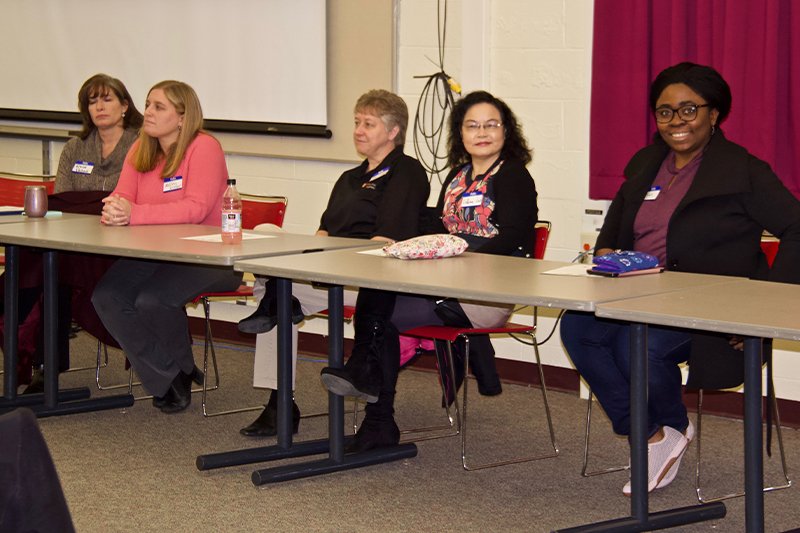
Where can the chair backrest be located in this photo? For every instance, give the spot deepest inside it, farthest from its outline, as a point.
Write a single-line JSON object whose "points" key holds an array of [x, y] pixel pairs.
{"points": [[12, 186], [542, 230], [258, 209]]}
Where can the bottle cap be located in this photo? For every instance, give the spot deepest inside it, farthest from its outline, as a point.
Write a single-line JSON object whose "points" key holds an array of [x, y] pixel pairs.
{"points": [[231, 181]]}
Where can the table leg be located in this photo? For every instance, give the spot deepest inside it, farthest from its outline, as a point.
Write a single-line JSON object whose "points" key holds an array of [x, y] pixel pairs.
{"points": [[10, 324], [638, 436], [641, 519], [753, 454], [50, 261], [10, 398], [53, 403]]}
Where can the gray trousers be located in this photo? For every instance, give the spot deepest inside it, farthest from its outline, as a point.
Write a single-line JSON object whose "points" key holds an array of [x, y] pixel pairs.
{"points": [[141, 303]]}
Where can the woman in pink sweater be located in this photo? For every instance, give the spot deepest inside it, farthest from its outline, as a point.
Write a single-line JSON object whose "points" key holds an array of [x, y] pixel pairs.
{"points": [[175, 173]]}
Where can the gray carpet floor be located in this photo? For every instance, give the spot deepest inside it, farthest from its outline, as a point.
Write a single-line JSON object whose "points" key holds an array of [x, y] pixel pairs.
{"points": [[134, 469]]}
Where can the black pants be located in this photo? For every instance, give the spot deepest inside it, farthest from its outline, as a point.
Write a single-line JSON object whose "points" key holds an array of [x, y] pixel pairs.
{"points": [[141, 303]]}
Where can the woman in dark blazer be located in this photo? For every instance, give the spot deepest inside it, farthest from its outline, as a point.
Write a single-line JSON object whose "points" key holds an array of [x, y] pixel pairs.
{"points": [[700, 204]]}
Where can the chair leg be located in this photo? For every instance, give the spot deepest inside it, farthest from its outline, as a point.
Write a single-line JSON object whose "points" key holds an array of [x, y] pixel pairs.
{"points": [[208, 348], [453, 426], [549, 454], [584, 468], [785, 484], [102, 362]]}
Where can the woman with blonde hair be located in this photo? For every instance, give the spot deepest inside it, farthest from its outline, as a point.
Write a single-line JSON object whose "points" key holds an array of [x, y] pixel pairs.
{"points": [[175, 173]]}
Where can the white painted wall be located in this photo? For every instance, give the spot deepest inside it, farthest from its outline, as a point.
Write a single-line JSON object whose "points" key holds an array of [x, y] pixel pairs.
{"points": [[537, 57]]}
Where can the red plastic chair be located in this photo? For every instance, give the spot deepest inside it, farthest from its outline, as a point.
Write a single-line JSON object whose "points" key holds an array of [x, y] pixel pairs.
{"points": [[452, 334], [256, 210]]}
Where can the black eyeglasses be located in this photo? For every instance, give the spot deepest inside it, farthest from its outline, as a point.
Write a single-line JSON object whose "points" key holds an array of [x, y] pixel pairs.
{"points": [[686, 113]]}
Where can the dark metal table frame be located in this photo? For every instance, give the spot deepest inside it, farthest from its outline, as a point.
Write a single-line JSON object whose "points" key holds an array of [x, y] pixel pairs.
{"points": [[53, 401], [334, 445], [641, 519]]}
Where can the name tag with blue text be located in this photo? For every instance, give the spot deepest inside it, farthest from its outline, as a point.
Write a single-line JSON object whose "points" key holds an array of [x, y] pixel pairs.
{"points": [[174, 183], [83, 167]]}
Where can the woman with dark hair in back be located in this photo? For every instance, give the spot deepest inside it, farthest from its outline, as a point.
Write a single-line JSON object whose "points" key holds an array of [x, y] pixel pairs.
{"points": [[93, 160], [89, 164], [699, 203]]}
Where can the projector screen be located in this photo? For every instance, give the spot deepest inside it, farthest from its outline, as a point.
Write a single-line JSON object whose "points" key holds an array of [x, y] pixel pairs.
{"points": [[257, 65]]}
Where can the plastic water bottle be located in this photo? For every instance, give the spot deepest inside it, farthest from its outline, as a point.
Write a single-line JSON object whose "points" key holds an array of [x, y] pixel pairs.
{"points": [[231, 214]]}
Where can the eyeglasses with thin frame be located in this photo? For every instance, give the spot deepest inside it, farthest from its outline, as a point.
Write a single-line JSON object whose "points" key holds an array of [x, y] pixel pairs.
{"points": [[490, 126], [686, 113]]}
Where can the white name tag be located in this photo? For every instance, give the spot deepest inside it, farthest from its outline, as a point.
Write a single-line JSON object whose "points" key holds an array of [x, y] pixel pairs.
{"points": [[83, 167], [174, 183], [379, 174], [653, 193], [472, 199]]}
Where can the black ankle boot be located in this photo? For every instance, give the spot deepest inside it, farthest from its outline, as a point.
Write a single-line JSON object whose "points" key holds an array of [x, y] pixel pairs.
{"points": [[265, 316], [36, 386], [266, 425], [374, 434], [362, 374], [179, 395]]}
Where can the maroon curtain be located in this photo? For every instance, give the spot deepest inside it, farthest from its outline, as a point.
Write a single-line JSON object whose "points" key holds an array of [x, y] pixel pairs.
{"points": [[753, 43]]}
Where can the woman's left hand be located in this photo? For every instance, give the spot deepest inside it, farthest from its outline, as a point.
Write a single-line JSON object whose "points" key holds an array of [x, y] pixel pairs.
{"points": [[116, 211]]}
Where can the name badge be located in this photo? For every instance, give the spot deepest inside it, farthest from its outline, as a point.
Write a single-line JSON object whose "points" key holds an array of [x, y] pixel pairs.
{"points": [[174, 183], [653, 193], [379, 174], [83, 167], [472, 199]]}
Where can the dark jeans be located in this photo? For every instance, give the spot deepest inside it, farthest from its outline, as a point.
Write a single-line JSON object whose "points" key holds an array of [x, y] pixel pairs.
{"points": [[600, 350], [141, 303]]}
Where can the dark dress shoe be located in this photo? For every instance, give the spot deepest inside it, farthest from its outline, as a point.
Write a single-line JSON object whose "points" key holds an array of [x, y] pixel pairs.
{"points": [[266, 425], [265, 316], [197, 377], [179, 395], [374, 435], [36, 386]]}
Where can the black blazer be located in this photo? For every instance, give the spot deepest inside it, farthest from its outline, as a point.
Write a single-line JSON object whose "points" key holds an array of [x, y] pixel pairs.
{"points": [[716, 229]]}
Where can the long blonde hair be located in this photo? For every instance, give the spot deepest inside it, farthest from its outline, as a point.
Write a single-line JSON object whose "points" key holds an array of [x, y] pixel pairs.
{"points": [[149, 152]]}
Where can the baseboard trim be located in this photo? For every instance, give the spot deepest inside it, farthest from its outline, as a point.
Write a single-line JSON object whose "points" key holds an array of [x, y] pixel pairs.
{"points": [[719, 403]]}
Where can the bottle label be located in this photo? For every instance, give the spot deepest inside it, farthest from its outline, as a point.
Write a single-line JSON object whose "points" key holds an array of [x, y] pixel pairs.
{"points": [[231, 222]]}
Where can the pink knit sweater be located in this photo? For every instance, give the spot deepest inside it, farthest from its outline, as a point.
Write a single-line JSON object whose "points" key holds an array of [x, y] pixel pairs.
{"points": [[197, 201]]}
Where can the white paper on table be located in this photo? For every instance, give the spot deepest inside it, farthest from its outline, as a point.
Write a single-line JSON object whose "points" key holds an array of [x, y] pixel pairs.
{"points": [[578, 269], [374, 251], [10, 209], [217, 237]]}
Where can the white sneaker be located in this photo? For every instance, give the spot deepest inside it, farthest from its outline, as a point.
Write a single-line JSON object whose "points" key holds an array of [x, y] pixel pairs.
{"points": [[662, 455], [673, 470]]}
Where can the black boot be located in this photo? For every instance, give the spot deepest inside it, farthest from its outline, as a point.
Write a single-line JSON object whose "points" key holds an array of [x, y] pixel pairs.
{"points": [[373, 435], [179, 394], [361, 376], [265, 316], [266, 425], [379, 428]]}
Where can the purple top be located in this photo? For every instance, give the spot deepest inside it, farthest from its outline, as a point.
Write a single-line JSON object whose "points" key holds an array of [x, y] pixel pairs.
{"points": [[666, 192]]}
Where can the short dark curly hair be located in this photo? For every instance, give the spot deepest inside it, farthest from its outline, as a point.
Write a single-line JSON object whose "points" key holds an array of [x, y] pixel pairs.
{"points": [[514, 145], [702, 79]]}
